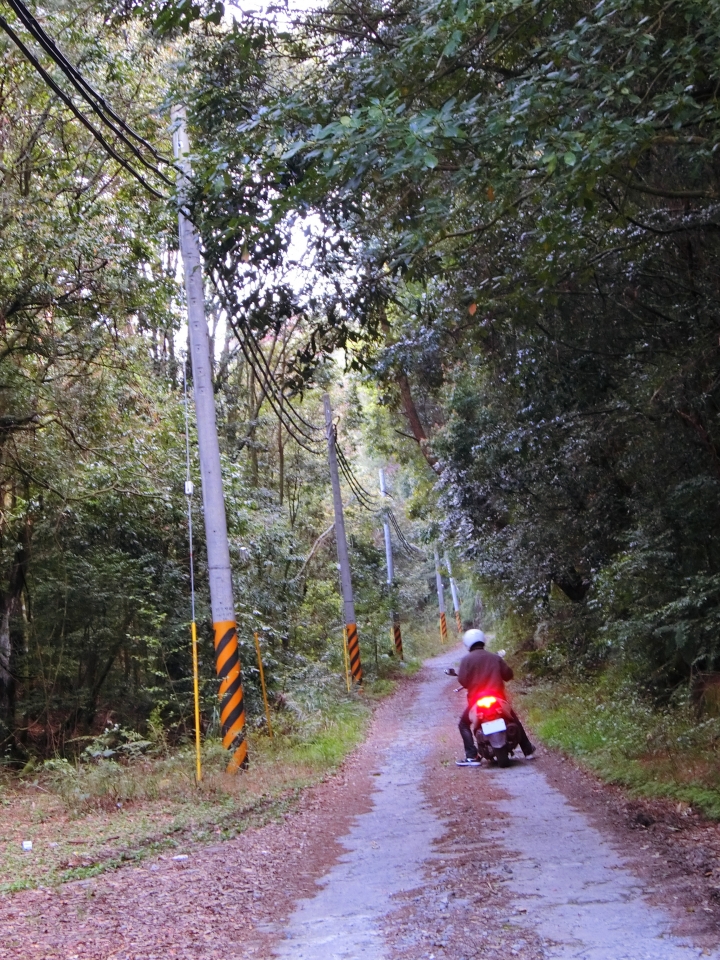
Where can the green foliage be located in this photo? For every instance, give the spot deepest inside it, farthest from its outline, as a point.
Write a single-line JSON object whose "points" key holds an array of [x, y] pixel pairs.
{"points": [[512, 207], [626, 739]]}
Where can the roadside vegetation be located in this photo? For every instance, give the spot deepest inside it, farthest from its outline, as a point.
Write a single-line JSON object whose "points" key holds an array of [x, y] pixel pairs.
{"points": [[115, 806], [490, 232], [663, 751]]}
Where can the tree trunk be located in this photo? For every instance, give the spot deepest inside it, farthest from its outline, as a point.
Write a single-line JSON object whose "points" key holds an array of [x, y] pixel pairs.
{"points": [[9, 603], [281, 463], [7, 681], [413, 418]]}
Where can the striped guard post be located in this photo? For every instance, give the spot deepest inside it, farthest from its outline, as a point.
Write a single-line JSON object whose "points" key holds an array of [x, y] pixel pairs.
{"points": [[354, 653], [458, 621], [397, 636], [232, 707], [443, 627]]}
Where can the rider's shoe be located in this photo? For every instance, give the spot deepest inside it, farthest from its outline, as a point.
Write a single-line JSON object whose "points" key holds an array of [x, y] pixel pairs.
{"points": [[468, 762], [530, 755]]}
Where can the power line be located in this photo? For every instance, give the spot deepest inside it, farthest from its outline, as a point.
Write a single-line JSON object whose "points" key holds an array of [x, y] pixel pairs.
{"points": [[409, 548], [88, 92], [281, 406], [366, 500], [97, 103]]}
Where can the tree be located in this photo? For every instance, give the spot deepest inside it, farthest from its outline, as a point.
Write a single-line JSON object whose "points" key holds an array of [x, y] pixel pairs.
{"points": [[526, 193]]}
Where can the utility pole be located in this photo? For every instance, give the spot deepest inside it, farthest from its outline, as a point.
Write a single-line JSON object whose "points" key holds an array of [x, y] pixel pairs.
{"points": [[342, 551], [395, 634], [441, 598], [227, 660], [453, 590]]}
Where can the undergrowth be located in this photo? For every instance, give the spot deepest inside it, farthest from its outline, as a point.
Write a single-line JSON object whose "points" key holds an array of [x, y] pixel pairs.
{"points": [[106, 810], [611, 728]]}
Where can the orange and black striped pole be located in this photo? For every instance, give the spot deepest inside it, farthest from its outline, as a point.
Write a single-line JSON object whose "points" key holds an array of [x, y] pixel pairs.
{"points": [[353, 646], [397, 636], [227, 660], [441, 598]]}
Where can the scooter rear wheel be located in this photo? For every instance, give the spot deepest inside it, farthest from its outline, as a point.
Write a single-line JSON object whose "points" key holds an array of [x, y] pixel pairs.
{"points": [[502, 756]]}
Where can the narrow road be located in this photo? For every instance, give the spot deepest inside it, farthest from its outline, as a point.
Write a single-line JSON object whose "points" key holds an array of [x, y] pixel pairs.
{"points": [[566, 890], [401, 856]]}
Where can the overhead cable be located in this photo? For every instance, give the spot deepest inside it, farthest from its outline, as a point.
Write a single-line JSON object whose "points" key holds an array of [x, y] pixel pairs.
{"points": [[95, 100], [107, 116], [281, 406], [365, 499], [409, 548]]}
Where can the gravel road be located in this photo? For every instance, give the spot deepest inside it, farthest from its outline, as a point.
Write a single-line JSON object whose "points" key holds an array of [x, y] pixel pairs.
{"points": [[403, 856]]}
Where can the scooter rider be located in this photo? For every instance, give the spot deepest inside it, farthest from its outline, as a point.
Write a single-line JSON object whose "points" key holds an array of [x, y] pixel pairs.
{"points": [[482, 670]]}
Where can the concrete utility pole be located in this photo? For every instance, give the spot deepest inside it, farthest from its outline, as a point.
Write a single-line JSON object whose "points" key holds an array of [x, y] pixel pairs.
{"points": [[232, 710], [441, 598], [395, 634], [453, 590], [342, 551]]}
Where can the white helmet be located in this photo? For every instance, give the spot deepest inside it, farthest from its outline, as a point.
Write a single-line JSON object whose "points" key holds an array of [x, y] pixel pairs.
{"points": [[471, 637]]}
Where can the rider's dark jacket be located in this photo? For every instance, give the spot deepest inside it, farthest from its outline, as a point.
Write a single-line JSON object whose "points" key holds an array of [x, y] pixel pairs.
{"points": [[481, 670]]}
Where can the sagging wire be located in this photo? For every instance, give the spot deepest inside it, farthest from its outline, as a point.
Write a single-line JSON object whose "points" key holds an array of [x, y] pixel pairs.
{"points": [[261, 368], [283, 409], [364, 498], [409, 548], [265, 375], [96, 102]]}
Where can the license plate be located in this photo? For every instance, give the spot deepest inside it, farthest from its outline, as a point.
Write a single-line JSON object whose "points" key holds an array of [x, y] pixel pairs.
{"points": [[493, 726]]}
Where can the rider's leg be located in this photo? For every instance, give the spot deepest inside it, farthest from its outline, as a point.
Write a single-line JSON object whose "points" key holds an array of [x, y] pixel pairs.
{"points": [[523, 739], [467, 735]]}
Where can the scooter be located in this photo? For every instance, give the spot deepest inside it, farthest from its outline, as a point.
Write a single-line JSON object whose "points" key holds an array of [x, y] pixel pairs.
{"points": [[493, 724]]}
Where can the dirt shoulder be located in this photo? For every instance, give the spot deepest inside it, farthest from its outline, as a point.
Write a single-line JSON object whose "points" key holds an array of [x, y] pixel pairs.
{"points": [[221, 901], [671, 847], [233, 899]]}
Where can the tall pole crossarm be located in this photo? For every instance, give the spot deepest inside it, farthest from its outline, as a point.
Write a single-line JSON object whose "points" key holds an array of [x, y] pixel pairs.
{"points": [[342, 550], [232, 709]]}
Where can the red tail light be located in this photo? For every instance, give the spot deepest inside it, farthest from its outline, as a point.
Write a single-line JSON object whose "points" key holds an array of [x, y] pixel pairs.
{"points": [[485, 702]]}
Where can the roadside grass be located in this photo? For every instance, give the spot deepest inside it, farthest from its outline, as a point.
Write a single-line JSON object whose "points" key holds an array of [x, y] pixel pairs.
{"points": [[86, 818], [610, 728], [422, 641]]}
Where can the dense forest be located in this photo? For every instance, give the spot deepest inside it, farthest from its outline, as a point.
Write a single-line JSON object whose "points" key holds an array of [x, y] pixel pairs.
{"points": [[488, 229]]}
